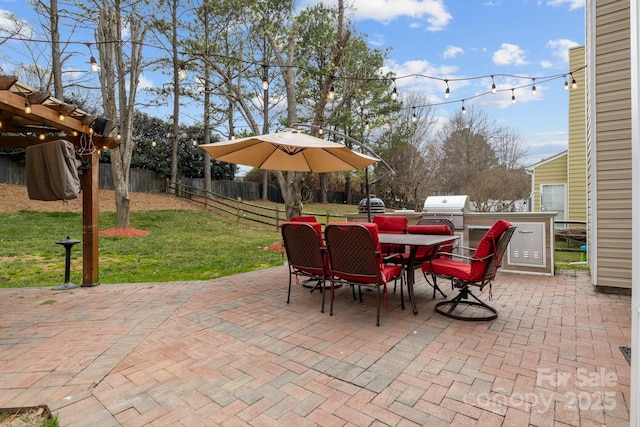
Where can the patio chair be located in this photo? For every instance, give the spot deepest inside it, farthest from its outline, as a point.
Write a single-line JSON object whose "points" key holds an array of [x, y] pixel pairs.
{"points": [[355, 258], [392, 225], [432, 226], [425, 253], [306, 253], [466, 272]]}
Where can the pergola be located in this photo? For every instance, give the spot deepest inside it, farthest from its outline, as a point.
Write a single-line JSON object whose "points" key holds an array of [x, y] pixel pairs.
{"points": [[30, 117]]}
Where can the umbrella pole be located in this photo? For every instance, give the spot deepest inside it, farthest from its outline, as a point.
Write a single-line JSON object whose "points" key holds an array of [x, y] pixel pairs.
{"points": [[366, 186]]}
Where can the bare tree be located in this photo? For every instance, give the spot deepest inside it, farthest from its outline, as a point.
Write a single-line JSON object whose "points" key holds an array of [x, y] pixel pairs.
{"points": [[465, 141], [510, 147], [498, 188], [120, 73]]}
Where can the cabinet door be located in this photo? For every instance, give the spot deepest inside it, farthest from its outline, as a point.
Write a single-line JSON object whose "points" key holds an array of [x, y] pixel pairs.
{"points": [[528, 245]]}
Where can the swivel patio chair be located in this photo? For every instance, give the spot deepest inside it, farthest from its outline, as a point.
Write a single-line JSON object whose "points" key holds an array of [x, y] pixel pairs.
{"points": [[466, 272], [306, 254], [355, 258]]}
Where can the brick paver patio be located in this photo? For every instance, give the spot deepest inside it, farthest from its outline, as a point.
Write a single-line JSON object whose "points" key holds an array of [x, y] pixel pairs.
{"points": [[232, 352]]}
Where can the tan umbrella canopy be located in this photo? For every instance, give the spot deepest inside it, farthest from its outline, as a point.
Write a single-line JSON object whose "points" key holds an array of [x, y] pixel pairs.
{"points": [[289, 150]]}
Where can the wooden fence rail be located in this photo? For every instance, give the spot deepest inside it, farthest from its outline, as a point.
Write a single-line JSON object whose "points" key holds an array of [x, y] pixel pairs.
{"points": [[241, 210]]}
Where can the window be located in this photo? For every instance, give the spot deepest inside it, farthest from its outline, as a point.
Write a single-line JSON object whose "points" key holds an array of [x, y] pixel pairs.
{"points": [[554, 199]]}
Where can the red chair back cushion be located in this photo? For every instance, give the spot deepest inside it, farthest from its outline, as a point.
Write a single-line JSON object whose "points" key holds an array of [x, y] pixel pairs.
{"points": [[487, 246], [391, 224], [304, 218]]}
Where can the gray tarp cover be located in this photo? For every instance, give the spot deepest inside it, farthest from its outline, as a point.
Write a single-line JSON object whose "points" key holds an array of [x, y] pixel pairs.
{"points": [[52, 171]]}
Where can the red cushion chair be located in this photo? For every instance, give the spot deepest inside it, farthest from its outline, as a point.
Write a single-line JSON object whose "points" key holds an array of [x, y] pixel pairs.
{"points": [[306, 253], [355, 258], [391, 224], [477, 270]]}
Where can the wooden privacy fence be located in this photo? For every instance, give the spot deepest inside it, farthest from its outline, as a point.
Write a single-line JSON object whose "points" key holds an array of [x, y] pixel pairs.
{"points": [[241, 210]]}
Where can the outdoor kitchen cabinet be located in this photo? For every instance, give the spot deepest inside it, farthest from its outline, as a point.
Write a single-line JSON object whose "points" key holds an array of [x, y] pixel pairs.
{"points": [[531, 249]]}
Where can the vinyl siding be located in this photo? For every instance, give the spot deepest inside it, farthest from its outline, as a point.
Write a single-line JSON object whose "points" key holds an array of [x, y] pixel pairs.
{"points": [[576, 154], [552, 172], [611, 143]]}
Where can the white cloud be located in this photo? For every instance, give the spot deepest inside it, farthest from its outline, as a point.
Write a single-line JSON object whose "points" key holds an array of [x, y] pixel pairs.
{"points": [[452, 51], [11, 25], [145, 83], [434, 12], [573, 4], [509, 54], [560, 48], [546, 64]]}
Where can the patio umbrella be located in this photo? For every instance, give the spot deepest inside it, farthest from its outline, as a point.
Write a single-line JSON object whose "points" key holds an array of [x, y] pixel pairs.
{"points": [[289, 150]]}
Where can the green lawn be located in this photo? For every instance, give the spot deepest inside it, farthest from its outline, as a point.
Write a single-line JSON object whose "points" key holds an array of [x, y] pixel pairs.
{"points": [[183, 245]]}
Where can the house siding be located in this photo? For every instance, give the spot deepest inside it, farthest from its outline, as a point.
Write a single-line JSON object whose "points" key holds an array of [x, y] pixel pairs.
{"points": [[552, 172], [576, 154], [609, 145]]}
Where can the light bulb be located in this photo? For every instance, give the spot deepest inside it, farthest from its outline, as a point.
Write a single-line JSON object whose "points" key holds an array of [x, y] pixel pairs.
{"points": [[493, 86], [394, 94], [41, 136], [265, 84], [182, 72], [94, 64], [533, 90], [446, 93], [27, 107], [61, 117], [153, 143], [414, 118], [574, 84], [366, 125], [464, 110], [332, 93]]}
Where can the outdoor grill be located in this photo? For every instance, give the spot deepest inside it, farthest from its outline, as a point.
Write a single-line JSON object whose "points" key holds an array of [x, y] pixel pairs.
{"points": [[377, 205], [449, 207]]}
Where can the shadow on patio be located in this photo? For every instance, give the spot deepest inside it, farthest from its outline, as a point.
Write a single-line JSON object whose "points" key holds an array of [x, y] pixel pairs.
{"points": [[231, 351]]}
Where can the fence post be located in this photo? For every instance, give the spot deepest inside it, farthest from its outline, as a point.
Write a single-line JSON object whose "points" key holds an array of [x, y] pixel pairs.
{"points": [[238, 214], [277, 217]]}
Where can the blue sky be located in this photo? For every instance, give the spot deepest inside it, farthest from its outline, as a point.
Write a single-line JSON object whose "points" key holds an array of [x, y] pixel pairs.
{"points": [[461, 39], [452, 39]]}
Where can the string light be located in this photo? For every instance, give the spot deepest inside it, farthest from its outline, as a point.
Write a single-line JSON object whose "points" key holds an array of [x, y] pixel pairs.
{"points": [[493, 85], [513, 96], [153, 143], [574, 83], [446, 91], [61, 115], [92, 59], [366, 125], [182, 72], [566, 83], [414, 118], [533, 88], [332, 93], [265, 84], [464, 110], [321, 130], [394, 92], [27, 107]]}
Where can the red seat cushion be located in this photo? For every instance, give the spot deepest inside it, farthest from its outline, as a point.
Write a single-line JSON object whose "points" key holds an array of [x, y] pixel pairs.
{"points": [[450, 267], [426, 252]]}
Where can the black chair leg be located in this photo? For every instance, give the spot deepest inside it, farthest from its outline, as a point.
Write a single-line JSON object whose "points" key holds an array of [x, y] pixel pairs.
{"points": [[463, 298]]}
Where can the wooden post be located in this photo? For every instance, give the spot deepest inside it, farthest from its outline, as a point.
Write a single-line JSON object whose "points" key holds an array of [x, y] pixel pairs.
{"points": [[90, 187], [238, 211]]}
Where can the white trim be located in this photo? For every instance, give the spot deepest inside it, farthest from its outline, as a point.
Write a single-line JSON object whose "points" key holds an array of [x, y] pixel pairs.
{"points": [[592, 196], [634, 405], [549, 160]]}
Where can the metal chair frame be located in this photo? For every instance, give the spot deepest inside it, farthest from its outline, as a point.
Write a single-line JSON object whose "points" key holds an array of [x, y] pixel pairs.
{"points": [[355, 259], [491, 262], [306, 254]]}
